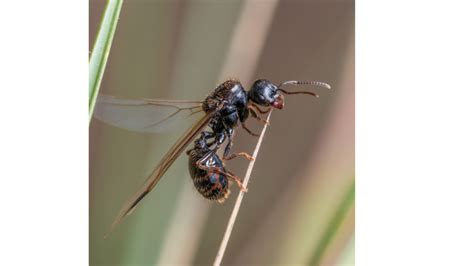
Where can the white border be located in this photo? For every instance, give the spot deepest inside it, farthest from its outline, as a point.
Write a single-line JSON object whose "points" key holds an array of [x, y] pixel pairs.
{"points": [[44, 133], [414, 131], [415, 149]]}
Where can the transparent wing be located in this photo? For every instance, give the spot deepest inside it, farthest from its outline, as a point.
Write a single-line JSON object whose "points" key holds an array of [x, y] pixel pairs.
{"points": [[161, 168], [144, 115]]}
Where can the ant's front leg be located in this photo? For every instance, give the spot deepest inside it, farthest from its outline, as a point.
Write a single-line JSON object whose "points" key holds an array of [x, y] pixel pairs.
{"points": [[254, 114], [260, 110]]}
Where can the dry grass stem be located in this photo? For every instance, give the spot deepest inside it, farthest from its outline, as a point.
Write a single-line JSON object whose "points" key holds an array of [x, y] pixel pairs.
{"points": [[238, 202]]}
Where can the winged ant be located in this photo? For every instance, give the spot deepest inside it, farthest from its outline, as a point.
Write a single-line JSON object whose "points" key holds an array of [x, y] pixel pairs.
{"points": [[227, 107]]}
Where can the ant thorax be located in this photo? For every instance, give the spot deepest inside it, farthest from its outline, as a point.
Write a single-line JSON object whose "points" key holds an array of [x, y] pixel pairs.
{"points": [[227, 93]]}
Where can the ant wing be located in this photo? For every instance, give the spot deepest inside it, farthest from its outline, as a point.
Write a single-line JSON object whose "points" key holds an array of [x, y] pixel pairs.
{"points": [[161, 168], [144, 115]]}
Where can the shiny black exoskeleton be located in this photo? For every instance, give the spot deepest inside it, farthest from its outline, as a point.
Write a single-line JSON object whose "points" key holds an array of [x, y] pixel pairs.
{"points": [[234, 104], [227, 106], [231, 105], [207, 172]]}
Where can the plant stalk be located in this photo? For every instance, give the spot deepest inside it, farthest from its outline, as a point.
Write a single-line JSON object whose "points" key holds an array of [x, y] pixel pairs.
{"points": [[100, 52], [238, 202]]}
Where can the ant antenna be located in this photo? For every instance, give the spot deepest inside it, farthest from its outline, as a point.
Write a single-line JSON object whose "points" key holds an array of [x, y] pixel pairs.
{"points": [[295, 82]]}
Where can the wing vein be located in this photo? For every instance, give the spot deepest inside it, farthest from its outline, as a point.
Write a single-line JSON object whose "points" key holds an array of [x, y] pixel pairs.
{"points": [[144, 115]]}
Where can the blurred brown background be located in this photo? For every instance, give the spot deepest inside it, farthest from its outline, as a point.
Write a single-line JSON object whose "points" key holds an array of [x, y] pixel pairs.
{"points": [[182, 50]]}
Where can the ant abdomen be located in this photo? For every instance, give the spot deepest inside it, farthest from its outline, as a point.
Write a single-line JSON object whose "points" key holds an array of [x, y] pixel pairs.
{"points": [[208, 175]]}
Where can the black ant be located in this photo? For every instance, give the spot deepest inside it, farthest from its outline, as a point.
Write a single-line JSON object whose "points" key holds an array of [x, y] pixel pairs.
{"points": [[225, 108]]}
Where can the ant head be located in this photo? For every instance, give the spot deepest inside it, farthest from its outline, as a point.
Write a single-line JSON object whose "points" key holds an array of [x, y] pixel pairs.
{"points": [[265, 93]]}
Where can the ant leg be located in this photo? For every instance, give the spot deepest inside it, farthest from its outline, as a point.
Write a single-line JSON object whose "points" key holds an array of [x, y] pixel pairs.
{"points": [[230, 134], [200, 163], [235, 155], [211, 169], [238, 181], [260, 110], [250, 131], [219, 138], [226, 156], [254, 114]]}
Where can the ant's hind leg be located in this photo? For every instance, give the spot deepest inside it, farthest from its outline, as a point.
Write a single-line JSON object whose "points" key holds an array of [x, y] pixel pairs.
{"points": [[201, 163], [237, 180], [217, 170]]}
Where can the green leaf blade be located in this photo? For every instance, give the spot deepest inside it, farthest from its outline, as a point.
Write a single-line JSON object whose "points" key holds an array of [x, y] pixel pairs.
{"points": [[101, 50]]}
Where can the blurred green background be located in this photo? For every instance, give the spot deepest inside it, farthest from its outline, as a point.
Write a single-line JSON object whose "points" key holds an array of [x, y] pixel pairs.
{"points": [[299, 209]]}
